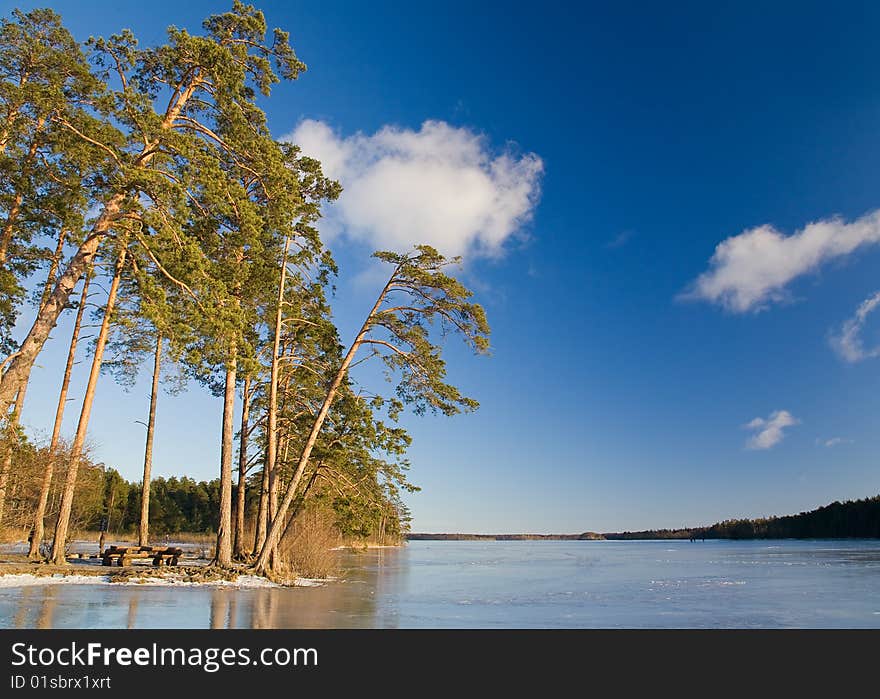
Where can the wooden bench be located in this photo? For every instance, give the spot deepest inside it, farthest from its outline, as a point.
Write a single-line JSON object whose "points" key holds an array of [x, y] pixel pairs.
{"points": [[123, 555]]}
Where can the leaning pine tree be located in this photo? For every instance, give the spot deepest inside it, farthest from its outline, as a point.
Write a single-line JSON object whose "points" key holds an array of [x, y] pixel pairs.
{"points": [[417, 294]]}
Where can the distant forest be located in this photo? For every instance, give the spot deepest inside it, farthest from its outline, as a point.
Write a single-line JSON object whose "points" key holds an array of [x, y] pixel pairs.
{"points": [[853, 519], [176, 505]]}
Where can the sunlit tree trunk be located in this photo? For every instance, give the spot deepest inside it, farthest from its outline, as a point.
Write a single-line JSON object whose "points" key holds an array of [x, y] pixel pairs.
{"points": [[14, 110], [265, 508], [40, 514], [53, 267], [224, 527], [262, 511], [300, 501], [12, 115], [63, 523], [272, 414], [238, 547], [144, 528]]}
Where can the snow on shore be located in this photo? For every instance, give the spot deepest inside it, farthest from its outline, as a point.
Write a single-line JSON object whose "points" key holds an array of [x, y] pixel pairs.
{"points": [[29, 580], [242, 581]]}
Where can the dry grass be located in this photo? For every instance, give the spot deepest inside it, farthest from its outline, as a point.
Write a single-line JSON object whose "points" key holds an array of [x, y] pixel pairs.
{"points": [[307, 550], [362, 544], [13, 535]]}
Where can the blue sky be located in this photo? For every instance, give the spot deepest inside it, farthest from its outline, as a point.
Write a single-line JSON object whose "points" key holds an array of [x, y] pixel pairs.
{"points": [[610, 401]]}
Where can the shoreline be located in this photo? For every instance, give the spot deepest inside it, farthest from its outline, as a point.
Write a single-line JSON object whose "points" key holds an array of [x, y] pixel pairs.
{"points": [[36, 574], [194, 570], [14, 574], [16, 570]]}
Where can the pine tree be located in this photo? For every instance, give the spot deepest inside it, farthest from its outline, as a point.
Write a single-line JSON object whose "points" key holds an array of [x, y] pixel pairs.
{"points": [[155, 152], [417, 294]]}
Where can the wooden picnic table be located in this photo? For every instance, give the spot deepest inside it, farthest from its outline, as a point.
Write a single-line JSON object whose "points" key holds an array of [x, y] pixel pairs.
{"points": [[123, 555]]}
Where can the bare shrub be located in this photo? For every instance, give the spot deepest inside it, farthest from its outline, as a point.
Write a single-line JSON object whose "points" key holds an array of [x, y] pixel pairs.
{"points": [[307, 549]]}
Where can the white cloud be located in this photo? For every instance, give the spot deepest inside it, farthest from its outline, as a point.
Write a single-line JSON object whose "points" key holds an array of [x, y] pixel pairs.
{"points": [[768, 432], [848, 342], [440, 185], [751, 270], [834, 441]]}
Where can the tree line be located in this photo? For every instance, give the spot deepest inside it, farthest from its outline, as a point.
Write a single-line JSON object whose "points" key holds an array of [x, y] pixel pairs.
{"points": [[142, 192], [857, 519], [852, 519]]}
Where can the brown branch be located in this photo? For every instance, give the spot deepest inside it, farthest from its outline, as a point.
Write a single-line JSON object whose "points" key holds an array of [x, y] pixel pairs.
{"points": [[166, 273], [189, 122], [79, 133]]}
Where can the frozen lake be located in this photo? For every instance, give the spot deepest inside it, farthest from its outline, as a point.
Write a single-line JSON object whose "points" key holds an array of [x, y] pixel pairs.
{"points": [[570, 584]]}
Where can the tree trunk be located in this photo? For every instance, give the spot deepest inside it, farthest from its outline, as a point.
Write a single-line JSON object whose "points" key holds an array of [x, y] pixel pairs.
{"points": [[53, 268], [9, 227], [40, 514], [300, 502], [262, 511], [238, 547], [11, 436], [63, 523], [263, 514], [262, 564], [144, 529], [9, 122], [15, 418], [13, 111], [272, 415], [20, 366], [224, 527]]}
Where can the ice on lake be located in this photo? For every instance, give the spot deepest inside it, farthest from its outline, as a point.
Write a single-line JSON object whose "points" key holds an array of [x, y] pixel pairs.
{"points": [[522, 584]]}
